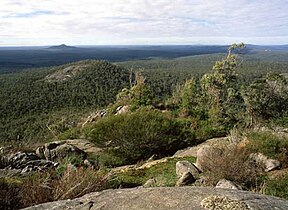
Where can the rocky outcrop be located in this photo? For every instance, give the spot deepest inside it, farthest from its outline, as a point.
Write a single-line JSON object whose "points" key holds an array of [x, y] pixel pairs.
{"points": [[66, 73], [27, 162], [196, 198], [58, 150]]}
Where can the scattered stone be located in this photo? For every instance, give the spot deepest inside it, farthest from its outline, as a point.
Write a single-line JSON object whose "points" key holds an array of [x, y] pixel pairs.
{"points": [[223, 203], [205, 154], [87, 163], [263, 161], [186, 179], [94, 116], [226, 184], [185, 166], [122, 110], [150, 183]]}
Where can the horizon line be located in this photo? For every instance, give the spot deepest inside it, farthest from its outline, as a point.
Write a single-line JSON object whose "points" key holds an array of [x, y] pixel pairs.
{"points": [[116, 45]]}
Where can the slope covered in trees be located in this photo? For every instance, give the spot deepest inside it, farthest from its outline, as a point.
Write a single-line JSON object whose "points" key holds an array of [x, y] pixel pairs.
{"points": [[30, 100]]}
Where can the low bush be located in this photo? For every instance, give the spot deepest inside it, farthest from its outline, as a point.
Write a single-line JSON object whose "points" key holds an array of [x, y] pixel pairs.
{"points": [[141, 134], [234, 165], [277, 187], [72, 133]]}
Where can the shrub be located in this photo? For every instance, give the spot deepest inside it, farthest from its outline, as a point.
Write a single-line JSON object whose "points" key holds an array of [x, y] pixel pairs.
{"points": [[141, 134], [234, 165], [277, 187], [72, 133]]}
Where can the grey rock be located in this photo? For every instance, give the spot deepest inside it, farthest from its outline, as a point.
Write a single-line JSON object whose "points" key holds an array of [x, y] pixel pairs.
{"points": [[55, 151], [185, 166], [262, 160], [186, 179], [205, 154], [176, 198], [192, 151], [28, 162], [223, 183]]}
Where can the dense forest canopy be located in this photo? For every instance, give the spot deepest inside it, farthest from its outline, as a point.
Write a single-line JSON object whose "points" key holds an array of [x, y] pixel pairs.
{"points": [[33, 100]]}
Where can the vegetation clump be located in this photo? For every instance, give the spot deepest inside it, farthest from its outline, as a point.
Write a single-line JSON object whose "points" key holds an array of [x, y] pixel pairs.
{"points": [[141, 134]]}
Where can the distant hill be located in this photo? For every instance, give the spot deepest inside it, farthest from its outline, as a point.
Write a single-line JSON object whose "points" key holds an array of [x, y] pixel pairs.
{"points": [[17, 58], [31, 100], [267, 48], [61, 47]]}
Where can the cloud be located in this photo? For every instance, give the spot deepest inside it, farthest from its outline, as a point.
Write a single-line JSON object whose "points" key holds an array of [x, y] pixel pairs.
{"points": [[143, 21]]}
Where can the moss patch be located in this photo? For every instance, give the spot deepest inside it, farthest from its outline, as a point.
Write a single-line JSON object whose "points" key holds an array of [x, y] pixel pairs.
{"points": [[163, 173]]}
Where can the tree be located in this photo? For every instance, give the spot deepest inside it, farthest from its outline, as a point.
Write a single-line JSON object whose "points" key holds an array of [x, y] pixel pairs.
{"points": [[266, 98], [138, 95], [220, 88]]}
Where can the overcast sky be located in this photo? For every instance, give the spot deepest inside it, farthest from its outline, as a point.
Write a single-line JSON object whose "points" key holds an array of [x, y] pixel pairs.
{"points": [[110, 22]]}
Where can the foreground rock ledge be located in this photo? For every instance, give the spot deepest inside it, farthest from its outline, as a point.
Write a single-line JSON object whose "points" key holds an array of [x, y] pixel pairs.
{"points": [[162, 199]]}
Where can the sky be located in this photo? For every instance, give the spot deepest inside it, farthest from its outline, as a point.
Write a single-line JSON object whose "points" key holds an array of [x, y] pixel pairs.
{"points": [[142, 22]]}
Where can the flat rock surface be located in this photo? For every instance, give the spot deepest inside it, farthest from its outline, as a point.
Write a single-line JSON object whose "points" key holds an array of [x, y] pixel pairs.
{"points": [[163, 198]]}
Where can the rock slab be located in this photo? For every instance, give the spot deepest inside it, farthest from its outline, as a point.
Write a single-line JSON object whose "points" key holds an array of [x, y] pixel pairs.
{"points": [[175, 198]]}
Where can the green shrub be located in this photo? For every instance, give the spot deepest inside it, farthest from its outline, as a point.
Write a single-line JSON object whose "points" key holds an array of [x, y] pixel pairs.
{"points": [[277, 187], [141, 134], [72, 133]]}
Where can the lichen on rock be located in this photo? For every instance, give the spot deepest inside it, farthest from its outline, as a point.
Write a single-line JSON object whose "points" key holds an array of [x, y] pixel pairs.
{"points": [[223, 203]]}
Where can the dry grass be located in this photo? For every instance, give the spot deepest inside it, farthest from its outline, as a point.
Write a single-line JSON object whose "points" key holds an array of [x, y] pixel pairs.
{"points": [[78, 182], [35, 189], [48, 186], [234, 165]]}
